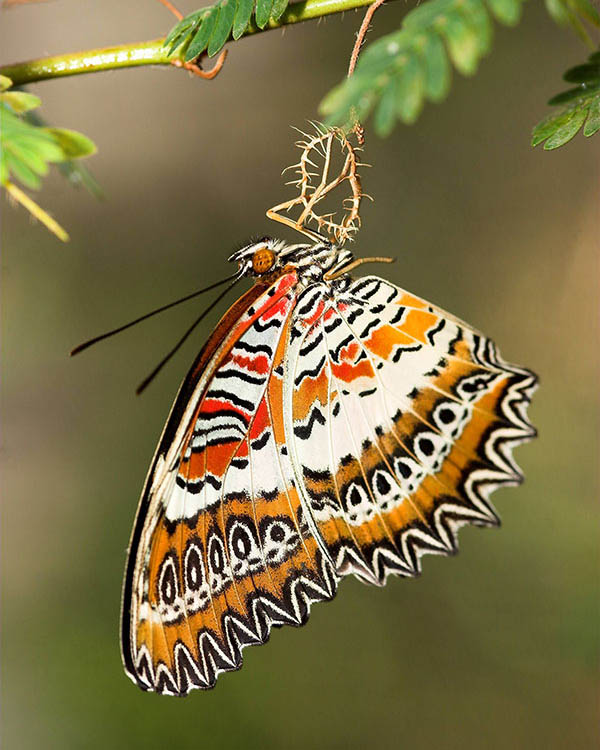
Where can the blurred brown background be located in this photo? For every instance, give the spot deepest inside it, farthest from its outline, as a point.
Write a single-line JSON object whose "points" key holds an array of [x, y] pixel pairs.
{"points": [[496, 648]]}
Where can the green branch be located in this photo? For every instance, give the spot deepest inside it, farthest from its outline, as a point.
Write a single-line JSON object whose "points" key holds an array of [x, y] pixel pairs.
{"points": [[88, 61], [154, 52]]}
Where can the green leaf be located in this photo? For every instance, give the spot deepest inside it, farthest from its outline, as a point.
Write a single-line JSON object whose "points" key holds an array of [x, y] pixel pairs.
{"points": [[74, 171], [574, 13], [20, 101], [200, 40], [182, 31], [424, 16], [582, 105], [223, 27], [477, 16], [16, 135], [243, 14], [28, 147], [210, 28], [437, 69], [548, 127], [278, 9], [592, 124], [179, 30], [79, 176], [558, 12], [507, 12], [567, 131], [566, 97], [263, 12], [29, 157], [385, 114], [21, 171], [354, 90], [410, 91], [462, 41], [74, 145], [383, 57], [588, 73]]}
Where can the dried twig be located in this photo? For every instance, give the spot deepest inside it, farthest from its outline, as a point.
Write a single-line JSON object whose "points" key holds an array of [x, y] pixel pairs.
{"points": [[360, 40], [320, 147]]}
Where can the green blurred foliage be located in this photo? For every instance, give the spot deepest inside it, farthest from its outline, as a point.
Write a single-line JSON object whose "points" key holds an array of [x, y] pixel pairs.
{"points": [[401, 70], [27, 148], [581, 104], [496, 648]]}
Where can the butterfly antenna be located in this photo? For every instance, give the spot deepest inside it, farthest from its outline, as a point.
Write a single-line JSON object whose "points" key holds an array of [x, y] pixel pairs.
{"points": [[146, 382], [95, 340]]}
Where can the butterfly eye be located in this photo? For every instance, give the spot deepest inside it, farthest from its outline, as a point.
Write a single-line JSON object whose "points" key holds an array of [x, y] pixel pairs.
{"points": [[263, 260]]}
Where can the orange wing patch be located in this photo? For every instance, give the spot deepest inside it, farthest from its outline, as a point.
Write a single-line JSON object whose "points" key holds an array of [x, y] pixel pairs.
{"points": [[413, 438]]}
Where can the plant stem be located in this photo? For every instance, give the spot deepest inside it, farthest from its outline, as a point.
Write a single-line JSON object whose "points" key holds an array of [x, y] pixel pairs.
{"points": [[152, 52], [88, 61], [35, 210]]}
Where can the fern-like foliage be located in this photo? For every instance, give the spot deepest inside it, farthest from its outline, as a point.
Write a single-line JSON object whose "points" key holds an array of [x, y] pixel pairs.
{"points": [[574, 13], [27, 149], [398, 72], [72, 169], [208, 29], [581, 107]]}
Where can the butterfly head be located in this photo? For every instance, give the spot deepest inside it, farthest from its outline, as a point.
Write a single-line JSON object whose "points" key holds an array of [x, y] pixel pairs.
{"points": [[312, 261]]}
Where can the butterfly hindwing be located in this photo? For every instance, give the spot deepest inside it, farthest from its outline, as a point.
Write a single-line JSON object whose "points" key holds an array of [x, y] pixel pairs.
{"points": [[404, 421]]}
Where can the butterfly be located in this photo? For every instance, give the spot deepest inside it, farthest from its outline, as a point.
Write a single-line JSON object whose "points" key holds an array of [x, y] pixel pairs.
{"points": [[330, 426]]}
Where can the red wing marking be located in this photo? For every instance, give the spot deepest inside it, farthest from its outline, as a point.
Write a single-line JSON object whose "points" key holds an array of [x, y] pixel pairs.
{"points": [[225, 552]]}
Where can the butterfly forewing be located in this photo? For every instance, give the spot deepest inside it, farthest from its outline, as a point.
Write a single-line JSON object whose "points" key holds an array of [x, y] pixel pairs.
{"points": [[223, 551]]}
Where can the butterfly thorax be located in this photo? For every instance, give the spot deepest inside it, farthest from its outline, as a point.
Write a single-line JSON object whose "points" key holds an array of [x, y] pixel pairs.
{"points": [[312, 262]]}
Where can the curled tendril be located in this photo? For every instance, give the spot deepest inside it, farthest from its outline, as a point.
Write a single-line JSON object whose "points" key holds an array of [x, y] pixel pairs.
{"points": [[317, 153]]}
